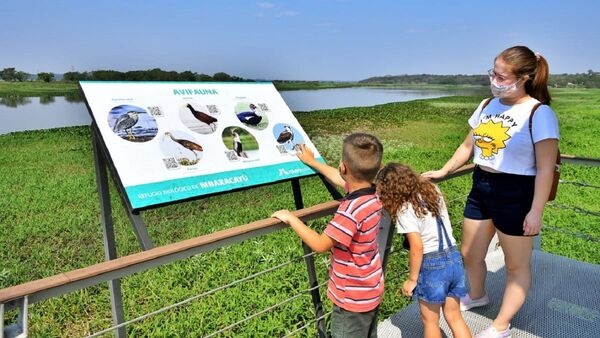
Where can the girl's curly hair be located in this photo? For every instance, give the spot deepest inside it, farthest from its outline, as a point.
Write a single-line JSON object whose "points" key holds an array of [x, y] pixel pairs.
{"points": [[398, 185]]}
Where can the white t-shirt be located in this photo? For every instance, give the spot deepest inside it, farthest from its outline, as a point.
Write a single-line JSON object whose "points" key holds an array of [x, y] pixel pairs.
{"points": [[501, 138], [407, 221]]}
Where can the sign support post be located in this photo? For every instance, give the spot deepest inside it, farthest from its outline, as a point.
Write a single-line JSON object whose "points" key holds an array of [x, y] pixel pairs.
{"points": [[110, 249]]}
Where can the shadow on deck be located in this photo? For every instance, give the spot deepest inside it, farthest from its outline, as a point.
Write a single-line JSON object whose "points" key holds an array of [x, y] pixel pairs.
{"points": [[564, 301]]}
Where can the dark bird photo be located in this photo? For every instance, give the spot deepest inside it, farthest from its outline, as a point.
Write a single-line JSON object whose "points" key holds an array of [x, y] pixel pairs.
{"points": [[125, 122], [250, 117], [189, 145], [132, 123], [203, 117], [286, 136]]}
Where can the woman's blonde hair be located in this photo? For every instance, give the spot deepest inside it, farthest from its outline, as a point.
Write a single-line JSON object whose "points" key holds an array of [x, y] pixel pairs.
{"points": [[523, 61]]}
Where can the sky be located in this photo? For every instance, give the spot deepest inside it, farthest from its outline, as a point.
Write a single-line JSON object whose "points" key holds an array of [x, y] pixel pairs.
{"points": [[338, 40]]}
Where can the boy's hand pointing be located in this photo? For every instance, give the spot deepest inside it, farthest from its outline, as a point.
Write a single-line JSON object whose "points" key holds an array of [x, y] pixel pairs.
{"points": [[305, 154]]}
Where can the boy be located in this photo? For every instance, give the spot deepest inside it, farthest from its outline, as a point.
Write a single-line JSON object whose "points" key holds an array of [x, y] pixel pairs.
{"points": [[355, 277]]}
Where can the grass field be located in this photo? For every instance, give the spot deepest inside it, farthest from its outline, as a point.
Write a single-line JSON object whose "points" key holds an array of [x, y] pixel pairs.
{"points": [[50, 222]]}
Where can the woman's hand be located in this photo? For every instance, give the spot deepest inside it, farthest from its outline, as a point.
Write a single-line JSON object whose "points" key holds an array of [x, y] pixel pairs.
{"points": [[433, 174], [532, 223], [408, 287]]}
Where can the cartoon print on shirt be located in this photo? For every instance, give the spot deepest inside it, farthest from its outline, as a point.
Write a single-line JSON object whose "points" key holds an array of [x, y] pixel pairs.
{"points": [[490, 137]]}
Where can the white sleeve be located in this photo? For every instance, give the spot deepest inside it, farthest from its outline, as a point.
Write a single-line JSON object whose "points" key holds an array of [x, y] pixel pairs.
{"points": [[407, 221], [545, 124], [474, 119]]}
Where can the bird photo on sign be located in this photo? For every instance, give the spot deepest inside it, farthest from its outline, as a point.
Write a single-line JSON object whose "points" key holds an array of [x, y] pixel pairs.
{"points": [[287, 138], [182, 147], [198, 118], [251, 115], [132, 123], [240, 144]]}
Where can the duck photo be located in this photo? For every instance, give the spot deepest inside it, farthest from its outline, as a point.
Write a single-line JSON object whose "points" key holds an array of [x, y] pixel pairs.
{"points": [[251, 115]]}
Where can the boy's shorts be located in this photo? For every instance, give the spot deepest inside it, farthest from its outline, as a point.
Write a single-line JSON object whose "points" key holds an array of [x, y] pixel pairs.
{"points": [[504, 198], [347, 324], [442, 275]]}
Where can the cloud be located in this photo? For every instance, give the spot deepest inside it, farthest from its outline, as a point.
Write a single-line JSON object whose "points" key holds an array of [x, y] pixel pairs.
{"points": [[265, 5], [287, 13]]}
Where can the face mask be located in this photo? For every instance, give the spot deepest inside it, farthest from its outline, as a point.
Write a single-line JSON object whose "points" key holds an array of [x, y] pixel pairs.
{"points": [[502, 90]]}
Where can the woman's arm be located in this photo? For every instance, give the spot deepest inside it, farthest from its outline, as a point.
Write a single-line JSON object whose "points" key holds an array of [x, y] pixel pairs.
{"points": [[545, 159], [414, 262], [462, 154]]}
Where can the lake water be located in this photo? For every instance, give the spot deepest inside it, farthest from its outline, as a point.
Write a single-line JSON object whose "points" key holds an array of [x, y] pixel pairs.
{"points": [[31, 113]]}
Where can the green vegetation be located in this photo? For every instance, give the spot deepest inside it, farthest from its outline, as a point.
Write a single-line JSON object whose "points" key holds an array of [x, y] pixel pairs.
{"points": [[50, 221], [37, 88], [590, 79], [58, 88]]}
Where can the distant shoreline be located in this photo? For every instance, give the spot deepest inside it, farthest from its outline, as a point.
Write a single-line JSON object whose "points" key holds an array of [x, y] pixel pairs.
{"points": [[62, 88]]}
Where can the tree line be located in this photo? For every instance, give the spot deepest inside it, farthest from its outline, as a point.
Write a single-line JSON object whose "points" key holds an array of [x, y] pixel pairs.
{"points": [[590, 79], [156, 74]]}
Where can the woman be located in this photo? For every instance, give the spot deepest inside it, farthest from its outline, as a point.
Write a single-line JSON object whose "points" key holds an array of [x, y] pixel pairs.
{"points": [[512, 178]]}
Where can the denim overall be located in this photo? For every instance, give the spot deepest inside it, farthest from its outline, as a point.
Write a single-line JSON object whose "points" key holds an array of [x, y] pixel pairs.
{"points": [[442, 273]]}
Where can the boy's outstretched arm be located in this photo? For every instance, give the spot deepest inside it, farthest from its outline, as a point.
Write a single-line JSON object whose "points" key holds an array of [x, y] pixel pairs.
{"points": [[317, 242], [331, 174], [415, 259]]}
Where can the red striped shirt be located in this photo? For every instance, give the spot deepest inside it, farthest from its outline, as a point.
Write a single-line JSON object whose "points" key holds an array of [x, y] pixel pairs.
{"points": [[356, 276]]}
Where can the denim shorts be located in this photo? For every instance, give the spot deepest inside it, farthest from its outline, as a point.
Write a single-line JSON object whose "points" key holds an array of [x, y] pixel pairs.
{"points": [[504, 198], [442, 275]]}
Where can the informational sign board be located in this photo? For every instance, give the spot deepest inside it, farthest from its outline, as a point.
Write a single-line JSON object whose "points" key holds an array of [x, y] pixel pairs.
{"points": [[170, 141]]}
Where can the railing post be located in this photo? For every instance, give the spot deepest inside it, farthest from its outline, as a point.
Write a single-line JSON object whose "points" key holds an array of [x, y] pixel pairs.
{"points": [[385, 237], [310, 266], [1, 320], [19, 329], [110, 249]]}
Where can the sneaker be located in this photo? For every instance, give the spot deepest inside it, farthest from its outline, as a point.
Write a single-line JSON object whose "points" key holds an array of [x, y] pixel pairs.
{"points": [[467, 303], [491, 332]]}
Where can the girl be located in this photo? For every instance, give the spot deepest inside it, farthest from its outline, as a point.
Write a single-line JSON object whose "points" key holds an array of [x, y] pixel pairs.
{"points": [[515, 154], [436, 275]]}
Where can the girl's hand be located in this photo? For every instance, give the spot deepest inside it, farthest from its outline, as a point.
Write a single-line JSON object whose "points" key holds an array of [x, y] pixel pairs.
{"points": [[433, 174], [532, 223], [408, 287]]}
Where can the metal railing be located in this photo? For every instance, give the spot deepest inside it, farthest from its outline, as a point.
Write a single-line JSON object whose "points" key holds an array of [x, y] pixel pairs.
{"points": [[21, 296]]}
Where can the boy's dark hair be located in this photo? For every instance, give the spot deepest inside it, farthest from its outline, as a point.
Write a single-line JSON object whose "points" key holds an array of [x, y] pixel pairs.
{"points": [[362, 154]]}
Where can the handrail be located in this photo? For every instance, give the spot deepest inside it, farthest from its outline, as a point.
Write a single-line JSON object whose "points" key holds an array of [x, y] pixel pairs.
{"points": [[77, 279], [62, 283], [565, 158]]}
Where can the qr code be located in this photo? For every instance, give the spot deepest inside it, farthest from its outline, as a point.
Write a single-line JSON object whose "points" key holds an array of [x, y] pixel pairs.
{"points": [[171, 163], [282, 149], [263, 107], [231, 155], [213, 109], [155, 111]]}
